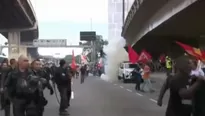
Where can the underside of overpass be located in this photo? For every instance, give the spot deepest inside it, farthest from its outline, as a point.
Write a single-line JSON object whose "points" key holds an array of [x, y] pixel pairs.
{"points": [[187, 26], [15, 15], [18, 14]]}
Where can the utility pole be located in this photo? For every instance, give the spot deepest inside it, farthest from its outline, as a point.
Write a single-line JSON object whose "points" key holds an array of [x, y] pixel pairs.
{"points": [[123, 12], [91, 24], [93, 53]]}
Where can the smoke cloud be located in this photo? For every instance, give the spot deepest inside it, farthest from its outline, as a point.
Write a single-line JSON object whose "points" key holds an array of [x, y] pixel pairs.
{"points": [[115, 55]]}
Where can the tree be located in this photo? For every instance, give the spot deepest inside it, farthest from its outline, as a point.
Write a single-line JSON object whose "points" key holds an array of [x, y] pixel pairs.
{"points": [[68, 58], [78, 59], [99, 43]]}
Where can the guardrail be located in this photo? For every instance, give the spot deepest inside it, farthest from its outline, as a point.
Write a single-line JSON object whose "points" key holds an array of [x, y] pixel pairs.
{"points": [[135, 6], [28, 7], [32, 46], [32, 9]]}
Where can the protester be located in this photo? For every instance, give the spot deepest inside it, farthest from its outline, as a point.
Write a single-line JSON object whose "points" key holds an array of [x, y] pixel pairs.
{"points": [[137, 78], [163, 90], [198, 102], [83, 71], [181, 92], [146, 85], [196, 70]]}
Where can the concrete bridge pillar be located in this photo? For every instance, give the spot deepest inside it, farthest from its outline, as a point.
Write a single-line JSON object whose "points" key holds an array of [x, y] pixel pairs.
{"points": [[15, 48]]}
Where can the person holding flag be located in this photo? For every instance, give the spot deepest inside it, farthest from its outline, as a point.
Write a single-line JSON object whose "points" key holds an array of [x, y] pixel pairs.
{"points": [[73, 65], [146, 85]]}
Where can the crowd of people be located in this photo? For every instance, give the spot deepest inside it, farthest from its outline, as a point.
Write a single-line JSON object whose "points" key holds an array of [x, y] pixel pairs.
{"points": [[141, 74], [22, 84], [185, 81], [187, 89]]}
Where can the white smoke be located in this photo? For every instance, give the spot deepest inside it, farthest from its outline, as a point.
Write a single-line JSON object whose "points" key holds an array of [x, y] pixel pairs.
{"points": [[115, 55]]}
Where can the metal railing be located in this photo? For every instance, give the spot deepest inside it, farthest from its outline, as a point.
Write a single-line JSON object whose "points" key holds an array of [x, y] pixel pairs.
{"points": [[135, 6], [46, 46], [28, 8]]}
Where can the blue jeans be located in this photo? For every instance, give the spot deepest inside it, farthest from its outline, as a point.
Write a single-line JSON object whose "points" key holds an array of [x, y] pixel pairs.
{"points": [[146, 85]]}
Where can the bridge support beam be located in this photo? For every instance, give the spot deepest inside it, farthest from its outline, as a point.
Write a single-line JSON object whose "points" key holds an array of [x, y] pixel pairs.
{"points": [[14, 40]]}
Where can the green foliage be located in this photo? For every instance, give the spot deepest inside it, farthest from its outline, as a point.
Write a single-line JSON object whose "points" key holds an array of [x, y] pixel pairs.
{"points": [[68, 59]]}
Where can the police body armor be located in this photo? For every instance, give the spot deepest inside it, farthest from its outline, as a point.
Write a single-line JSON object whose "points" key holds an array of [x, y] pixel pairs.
{"points": [[29, 85]]}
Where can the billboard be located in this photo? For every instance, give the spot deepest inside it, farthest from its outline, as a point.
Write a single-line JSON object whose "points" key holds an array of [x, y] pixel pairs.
{"points": [[87, 35], [50, 42]]}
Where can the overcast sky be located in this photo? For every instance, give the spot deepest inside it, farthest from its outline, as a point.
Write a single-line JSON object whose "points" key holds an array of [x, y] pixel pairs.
{"points": [[64, 19]]}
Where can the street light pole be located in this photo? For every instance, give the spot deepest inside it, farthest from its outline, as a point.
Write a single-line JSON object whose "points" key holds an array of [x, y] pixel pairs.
{"points": [[123, 12]]}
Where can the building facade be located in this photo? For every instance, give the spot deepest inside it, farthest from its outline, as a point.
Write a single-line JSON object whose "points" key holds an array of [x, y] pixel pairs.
{"points": [[115, 21]]}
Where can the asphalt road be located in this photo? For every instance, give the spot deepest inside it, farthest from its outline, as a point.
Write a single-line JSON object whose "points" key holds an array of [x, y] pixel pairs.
{"points": [[100, 98], [157, 82]]}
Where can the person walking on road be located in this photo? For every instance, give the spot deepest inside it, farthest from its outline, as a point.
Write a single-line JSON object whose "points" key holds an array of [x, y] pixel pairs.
{"points": [[83, 71], [146, 85], [137, 78], [63, 80], [181, 92]]}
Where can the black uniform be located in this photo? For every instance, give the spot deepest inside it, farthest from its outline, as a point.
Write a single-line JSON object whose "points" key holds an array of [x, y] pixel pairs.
{"points": [[42, 102], [5, 102], [83, 71], [63, 82], [23, 99]]}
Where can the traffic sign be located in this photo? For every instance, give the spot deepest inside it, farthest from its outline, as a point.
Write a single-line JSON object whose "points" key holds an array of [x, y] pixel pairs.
{"points": [[87, 35], [50, 42]]}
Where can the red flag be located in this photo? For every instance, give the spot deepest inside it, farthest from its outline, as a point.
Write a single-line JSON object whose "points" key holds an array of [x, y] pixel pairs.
{"points": [[144, 56], [191, 50], [73, 65], [162, 58], [133, 56]]}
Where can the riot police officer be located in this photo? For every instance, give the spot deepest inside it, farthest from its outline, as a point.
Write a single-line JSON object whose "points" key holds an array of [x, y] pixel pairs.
{"points": [[63, 80], [22, 86], [38, 71], [5, 103]]}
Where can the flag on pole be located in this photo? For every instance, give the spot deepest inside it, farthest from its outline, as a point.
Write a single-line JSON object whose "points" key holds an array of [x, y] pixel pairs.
{"points": [[144, 56], [73, 65], [192, 51], [133, 56]]}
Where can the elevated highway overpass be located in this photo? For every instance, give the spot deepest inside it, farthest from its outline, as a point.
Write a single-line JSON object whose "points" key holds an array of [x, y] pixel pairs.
{"points": [[156, 25], [18, 23]]}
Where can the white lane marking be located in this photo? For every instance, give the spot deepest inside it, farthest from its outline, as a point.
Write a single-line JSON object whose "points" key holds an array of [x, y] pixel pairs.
{"points": [[153, 100], [72, 95], [72, 82], [129, 90], [139, 94], [121, 87], [115, 84]]}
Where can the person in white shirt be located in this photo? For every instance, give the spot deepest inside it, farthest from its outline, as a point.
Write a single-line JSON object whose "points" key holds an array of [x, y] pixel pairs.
{"points": [[196, 70]]}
